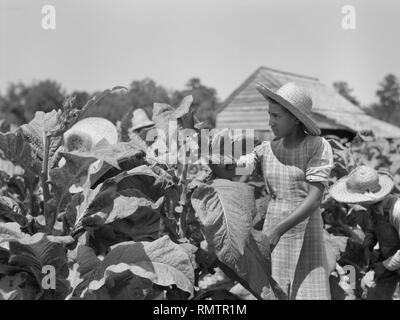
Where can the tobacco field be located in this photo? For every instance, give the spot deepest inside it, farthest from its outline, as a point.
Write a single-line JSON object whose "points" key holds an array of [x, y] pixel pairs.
{"points": [[118, 222]]}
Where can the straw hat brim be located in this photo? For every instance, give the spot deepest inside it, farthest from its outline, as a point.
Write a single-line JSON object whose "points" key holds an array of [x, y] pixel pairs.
{"points": [[143, 124], [340, 192], [307, 120]]}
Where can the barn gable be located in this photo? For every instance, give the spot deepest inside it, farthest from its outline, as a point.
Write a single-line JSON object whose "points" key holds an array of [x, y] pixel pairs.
{"points": [[246, 108]]}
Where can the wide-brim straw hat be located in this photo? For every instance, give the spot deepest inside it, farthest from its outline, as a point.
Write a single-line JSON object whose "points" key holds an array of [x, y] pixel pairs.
{"points": [[294, 99], [363, 185], [86, 133], [140, 119]]}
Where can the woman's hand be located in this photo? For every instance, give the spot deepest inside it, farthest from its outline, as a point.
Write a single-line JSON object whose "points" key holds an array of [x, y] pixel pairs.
{"points": [[274, 236], [307, 207]]}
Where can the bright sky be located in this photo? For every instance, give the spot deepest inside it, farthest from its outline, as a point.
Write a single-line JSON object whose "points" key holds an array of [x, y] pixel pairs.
{"points": [[99, 44]]}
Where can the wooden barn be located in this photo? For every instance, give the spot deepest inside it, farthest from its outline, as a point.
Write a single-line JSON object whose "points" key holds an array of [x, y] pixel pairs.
{"points": [[246, 108]]}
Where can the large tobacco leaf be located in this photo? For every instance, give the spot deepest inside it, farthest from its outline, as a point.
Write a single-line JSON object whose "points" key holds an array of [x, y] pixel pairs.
{"points": [[169, 122], [164, 113], [144, 225], [15, 148], [108, 207], [153, 181], [10, 211], [225, 209], [136, 194], [27, 255], [124, 285], [39, 128], [162, 262], [112, 153], [79, 204], [83, 270], [11, 232], [74, 172], [334, 246], [9, 168], [108, 160]]}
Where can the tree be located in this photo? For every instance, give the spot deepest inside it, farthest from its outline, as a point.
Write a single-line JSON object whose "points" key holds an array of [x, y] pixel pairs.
{"points": [[112, 107], [343, 89], [388, 107], [81, 97], [141, 94], [205, 98], [146, 92], [22, 101], [4, 121]]}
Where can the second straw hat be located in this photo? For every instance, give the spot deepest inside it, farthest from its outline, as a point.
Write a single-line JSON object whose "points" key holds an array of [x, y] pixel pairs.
{"points": [[140, 119]]}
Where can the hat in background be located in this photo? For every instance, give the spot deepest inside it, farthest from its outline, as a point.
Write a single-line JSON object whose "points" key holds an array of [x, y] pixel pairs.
{"points": [[87, 132], [140, 119], [363, 185]]}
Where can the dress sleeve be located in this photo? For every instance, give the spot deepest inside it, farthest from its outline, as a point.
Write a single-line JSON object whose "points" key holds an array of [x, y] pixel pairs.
{"points": [[321, 162], [393, 263], [252, 161]]}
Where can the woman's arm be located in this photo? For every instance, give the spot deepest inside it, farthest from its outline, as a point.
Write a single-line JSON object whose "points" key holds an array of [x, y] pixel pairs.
{"points": [[250, 163], [303, 211]]}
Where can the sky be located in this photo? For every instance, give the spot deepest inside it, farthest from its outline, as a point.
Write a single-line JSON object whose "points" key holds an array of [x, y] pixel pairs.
{"points": [[98, 44]]}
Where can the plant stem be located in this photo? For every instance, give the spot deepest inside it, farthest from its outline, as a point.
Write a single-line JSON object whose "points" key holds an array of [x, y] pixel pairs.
{"points": [[48, 214], [182, 202]]}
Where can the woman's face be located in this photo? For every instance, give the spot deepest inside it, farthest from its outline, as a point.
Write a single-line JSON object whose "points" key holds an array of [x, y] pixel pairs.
{"points": [[282, 122]]}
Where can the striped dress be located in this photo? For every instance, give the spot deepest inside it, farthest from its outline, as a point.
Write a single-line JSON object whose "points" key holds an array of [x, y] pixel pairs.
{"points": [[299, 262]]}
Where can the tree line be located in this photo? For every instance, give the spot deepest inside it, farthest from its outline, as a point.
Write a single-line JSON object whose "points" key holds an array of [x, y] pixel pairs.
{"points": [[387, 108], [20, 101]]}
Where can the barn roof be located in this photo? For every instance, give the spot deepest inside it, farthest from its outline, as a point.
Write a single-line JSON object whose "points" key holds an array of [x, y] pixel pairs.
{"points": [[246, 108]]}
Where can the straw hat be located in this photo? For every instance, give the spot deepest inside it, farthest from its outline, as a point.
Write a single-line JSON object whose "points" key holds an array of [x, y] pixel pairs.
{"points": [[296, 100], [87, 132], [140, 119], [363, 185]]}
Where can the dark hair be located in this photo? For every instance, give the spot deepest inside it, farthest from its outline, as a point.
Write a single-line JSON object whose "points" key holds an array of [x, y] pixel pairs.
{"points": [[303, 127], [301, 124]]}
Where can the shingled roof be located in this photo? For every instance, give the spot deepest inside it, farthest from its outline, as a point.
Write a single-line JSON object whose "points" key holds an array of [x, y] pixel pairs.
{"points": [[245, 108]]}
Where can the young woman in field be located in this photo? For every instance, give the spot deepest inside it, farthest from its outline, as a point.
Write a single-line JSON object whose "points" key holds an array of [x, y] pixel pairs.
{"points": [[295, 166]]}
